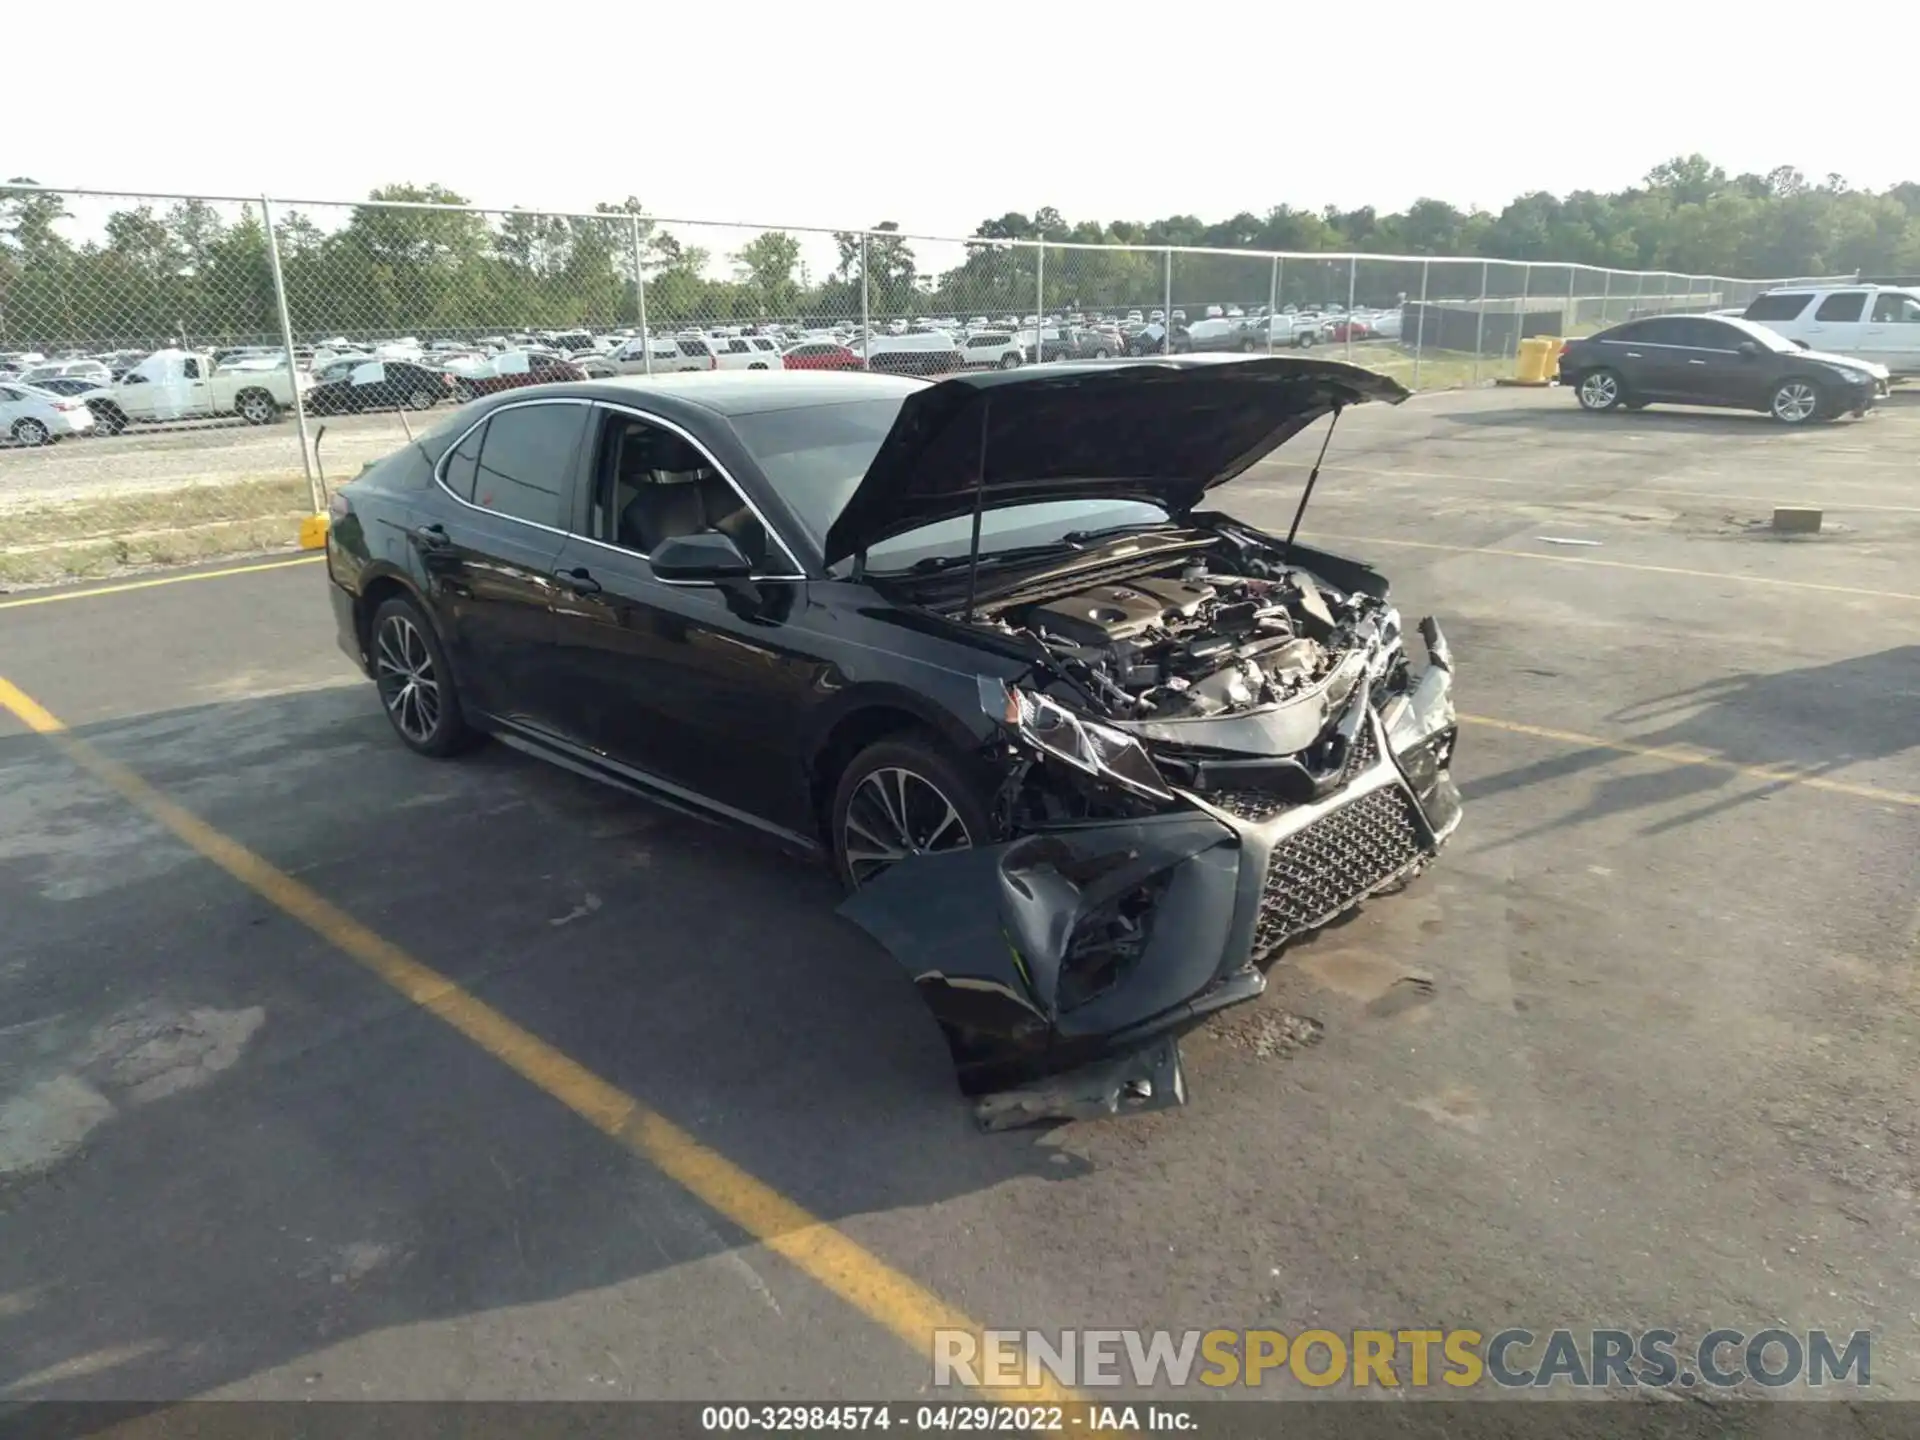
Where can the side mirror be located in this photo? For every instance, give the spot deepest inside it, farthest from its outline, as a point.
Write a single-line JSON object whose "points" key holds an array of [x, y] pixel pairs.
{"points": [[1748, 348], [708, 556]]}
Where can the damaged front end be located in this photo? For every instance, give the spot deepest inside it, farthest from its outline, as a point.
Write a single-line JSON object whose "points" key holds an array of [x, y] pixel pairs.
{"points": [[1216, 751]]}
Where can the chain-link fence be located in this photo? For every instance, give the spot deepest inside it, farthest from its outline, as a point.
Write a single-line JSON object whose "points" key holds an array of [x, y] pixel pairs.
{"points": [[208, 362]]}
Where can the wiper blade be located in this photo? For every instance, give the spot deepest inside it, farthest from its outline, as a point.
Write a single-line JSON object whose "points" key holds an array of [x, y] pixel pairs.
{"points": [[1081, 537], [987, 557]]}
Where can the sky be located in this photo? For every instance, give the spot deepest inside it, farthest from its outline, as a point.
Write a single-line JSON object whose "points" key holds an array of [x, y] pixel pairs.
{"points": [[936, 116]]}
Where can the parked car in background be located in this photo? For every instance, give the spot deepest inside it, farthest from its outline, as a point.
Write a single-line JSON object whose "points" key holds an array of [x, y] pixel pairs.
{"points": [[1075, 342], [1874, 322], [92, 370], [665, 354], [932, 353], [992, 349], [1709, 360], [1152, 340], [821, 355], [511, 370], [186, 385], [31, 416], [96, 397], [1216, 334], [747, 352], [345, 387]]}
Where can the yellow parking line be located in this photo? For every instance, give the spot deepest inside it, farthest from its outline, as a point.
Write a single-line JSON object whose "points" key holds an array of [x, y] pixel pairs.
{"points": [[1616, 565], [1774, 774], [817, 1249], [121, 589]]}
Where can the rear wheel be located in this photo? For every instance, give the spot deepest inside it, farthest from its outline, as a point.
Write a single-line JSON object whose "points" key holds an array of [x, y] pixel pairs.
{"points": [[900, 798], [420, 400], [1796, 402], [31, 432], [416, 686], [1600, 390], [257, 407], [1009, 360]]}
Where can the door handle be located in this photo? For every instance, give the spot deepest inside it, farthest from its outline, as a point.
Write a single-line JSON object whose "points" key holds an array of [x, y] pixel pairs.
{"points": [[1696, 362], [431, 537], [579, 581]]}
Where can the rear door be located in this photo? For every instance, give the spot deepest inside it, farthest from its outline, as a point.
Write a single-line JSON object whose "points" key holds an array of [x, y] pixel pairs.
{"points": [[1837, 322], [487, 540], [1892, 332], [1646, 358]]}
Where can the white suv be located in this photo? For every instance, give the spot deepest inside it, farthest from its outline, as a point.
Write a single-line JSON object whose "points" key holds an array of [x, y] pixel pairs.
{"points": [[670, 353], [1869, 322], [995, 348], [747, 352]]}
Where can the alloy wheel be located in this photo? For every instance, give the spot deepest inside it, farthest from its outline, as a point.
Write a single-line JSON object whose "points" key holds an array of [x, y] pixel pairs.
{"points": [[419, 400], [403, 669], [896, 813], [256, 409], [1599, 391], [1795, 402], [32, 432]]}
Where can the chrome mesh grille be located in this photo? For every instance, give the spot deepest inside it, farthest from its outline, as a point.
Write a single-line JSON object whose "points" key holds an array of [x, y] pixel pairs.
{"points": [[1260, 806], [1334, 863]]}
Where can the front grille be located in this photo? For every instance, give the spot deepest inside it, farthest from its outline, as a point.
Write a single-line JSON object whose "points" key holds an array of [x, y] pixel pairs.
{"points": [[1334, 863], [1260, 806]]}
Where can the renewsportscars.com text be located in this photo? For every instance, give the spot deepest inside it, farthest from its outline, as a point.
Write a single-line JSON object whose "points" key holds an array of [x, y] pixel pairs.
{"points": [[1513, 1358]]}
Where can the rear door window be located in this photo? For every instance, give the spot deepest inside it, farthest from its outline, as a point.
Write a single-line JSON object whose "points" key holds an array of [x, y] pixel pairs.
{"points": [[462, 462], [526, 462], [1842, 308], [1778, 307]]}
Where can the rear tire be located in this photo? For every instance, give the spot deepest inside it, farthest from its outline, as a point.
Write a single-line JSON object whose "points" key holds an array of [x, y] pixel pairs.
{"points": [[415, 682], [257, 407], [900, 797], [1600, 390], [1009, 362], [420, 400], [31, 433]]}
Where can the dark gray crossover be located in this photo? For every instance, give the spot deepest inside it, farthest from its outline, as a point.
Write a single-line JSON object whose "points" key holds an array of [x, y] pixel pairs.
{"points": [[1084, 753]]}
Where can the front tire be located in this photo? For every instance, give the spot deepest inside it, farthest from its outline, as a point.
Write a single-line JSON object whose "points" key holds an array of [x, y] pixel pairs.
{"points": [[109, 419], [1797, 402], [900, 798], [415, 683], [1009, 362], [1600, 390], [32, 433], [420, 400]]}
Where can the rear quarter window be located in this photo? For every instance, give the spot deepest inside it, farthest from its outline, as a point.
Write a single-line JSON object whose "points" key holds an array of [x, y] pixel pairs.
{"points": [[1777, 307]]}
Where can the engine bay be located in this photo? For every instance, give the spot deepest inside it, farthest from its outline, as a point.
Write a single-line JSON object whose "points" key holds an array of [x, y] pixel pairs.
{"points": [[1198, 639]]}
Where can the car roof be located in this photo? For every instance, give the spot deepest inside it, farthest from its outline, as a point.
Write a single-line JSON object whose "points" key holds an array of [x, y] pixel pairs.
{"points": [[741, 392]]}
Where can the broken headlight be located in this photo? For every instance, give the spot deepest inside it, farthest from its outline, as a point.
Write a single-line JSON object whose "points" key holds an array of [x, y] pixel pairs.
{"points": [[1054, 730]]}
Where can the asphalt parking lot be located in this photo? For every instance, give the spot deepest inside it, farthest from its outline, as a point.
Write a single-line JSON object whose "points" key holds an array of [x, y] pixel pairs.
{"points": [[1639, 1050]]}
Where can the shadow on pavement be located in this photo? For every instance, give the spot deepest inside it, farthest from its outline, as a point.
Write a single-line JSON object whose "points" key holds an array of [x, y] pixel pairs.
{"points": [[223, 1144], [1815, 721]]}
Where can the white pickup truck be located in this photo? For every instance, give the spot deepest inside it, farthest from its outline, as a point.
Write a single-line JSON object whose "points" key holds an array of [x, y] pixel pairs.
{"points": [[185, 385]]}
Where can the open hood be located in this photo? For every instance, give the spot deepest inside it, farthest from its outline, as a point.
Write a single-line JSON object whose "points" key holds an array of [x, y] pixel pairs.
{"points": [[1164, 431]]}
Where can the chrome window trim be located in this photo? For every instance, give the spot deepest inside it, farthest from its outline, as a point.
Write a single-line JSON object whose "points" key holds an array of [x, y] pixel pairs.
{"points": [[745, 499], [440, 465]]}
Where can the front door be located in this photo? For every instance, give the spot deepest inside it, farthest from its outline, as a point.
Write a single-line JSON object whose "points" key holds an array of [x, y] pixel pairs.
{"points": [[487, 538], [1891, 334], [691, 684]]}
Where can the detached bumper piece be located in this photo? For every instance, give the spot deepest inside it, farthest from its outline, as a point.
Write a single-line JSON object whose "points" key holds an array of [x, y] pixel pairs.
{"points": [[1063, 965]]}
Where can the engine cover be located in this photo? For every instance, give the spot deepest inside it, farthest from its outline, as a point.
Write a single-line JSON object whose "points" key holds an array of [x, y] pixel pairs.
{"points": [[1109, 613]]}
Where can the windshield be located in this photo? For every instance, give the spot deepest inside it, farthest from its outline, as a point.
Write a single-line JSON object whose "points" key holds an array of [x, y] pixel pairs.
{"points": [[816, 456], [1766, 339]]}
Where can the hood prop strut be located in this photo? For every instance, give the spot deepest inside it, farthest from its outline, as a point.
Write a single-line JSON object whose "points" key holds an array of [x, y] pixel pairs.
{"points": [[1286, 551], [979, 503]]}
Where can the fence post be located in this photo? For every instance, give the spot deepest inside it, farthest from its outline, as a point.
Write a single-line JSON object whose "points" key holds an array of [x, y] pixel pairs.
{"points": [[1606, 299], [640, 298], [1639, 293], [1572, 316], [293, 371], [1273, 302], [1420, 331], [1166, 315], [1480, 324], [1039, 300], [1520, 315], [866, 314], [1353, 279]]}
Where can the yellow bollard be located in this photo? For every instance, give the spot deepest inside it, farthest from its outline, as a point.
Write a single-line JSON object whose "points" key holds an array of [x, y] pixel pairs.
{"points": [[1539, 357]]}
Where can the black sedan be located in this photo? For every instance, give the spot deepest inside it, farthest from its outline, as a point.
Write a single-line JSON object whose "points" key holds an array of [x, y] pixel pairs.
{"points": [[1716, 360], [350, 385], [1080, 751]]}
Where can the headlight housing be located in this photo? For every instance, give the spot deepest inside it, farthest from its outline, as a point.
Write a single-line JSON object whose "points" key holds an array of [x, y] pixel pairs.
{"points": [[1086, 745]]}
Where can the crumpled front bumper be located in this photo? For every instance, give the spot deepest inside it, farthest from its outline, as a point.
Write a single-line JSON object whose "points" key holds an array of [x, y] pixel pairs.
{"points": [[1088, 948]]}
